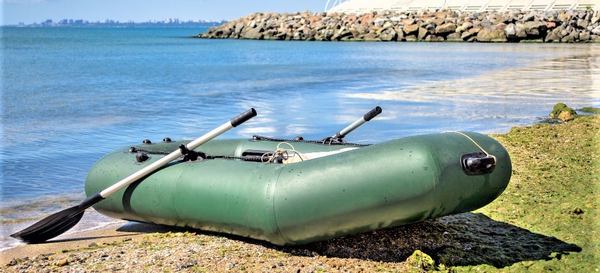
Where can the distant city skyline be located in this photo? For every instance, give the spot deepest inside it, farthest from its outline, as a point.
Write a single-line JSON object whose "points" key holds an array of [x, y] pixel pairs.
{"points": [[109, 22], [35, 11]]}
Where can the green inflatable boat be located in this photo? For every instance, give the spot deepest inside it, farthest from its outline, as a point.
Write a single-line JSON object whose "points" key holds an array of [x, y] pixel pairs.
{"points": [[291, 192]]}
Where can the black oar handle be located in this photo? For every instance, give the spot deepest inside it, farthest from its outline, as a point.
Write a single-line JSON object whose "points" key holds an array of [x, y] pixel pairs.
{"points": [[90, 201], [243, 117], [373, 113], [341, 134]]}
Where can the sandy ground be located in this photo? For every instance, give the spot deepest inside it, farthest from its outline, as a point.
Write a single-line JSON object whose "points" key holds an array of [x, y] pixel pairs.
{"points": [[105, 235]]}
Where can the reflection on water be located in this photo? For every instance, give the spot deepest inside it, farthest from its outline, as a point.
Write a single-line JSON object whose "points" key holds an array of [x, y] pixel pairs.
{"points": [[498, 100], [70, 95]]}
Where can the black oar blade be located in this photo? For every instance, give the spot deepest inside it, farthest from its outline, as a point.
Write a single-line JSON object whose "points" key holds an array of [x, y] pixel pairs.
{"points": [[56, 223], [51, 226]]}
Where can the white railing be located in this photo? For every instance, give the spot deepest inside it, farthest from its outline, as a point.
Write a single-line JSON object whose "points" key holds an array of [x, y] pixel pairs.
{"points": [[360, 6]]}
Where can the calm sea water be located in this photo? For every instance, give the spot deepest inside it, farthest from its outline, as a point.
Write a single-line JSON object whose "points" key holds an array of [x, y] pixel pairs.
{"points": [[70, 95]]}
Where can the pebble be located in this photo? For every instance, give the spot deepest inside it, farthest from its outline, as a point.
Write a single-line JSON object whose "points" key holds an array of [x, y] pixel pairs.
{"points": [[61, 262]]}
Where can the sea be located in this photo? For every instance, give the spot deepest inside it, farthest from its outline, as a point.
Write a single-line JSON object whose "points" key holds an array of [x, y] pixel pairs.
{"points": [[72, 94]]}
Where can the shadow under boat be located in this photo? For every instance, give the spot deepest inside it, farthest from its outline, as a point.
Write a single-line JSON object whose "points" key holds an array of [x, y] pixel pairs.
{"points": [[456, 240]]}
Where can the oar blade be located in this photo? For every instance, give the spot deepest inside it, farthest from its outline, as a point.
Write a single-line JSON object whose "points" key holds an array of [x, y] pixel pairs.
{"points": [[51, 226]]}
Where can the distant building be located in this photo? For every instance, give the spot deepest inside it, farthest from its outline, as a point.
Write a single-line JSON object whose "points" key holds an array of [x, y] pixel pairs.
{"points": [[361, 6]]}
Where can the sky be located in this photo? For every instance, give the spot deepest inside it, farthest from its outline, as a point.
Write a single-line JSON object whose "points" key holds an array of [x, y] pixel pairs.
{"points": [[30, 11]]}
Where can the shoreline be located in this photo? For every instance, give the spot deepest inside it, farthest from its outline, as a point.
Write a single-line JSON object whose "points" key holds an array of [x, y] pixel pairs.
{"points": [[531, 225], [75, 240]]}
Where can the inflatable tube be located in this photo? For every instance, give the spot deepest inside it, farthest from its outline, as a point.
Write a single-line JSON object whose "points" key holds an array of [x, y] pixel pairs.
{"points": [[347, 189]]}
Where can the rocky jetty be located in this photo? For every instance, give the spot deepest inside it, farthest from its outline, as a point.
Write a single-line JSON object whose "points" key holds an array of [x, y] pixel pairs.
{"points": [[432, 26]]}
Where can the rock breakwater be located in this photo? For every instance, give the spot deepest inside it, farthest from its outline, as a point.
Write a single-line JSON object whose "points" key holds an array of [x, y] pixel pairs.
{"points": [[567, 26]]}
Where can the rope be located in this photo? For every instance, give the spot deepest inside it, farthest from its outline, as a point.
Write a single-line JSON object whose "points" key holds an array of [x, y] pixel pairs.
{"points": [[282, 153], [474, 142], [296, 153]]}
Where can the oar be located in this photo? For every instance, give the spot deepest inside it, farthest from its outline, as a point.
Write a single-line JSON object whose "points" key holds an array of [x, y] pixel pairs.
{"points": [[62, 221], [339, 136]]}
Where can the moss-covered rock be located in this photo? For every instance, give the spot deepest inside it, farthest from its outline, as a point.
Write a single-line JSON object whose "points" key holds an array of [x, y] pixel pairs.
{"points": [[419, 261], [563, 112]]}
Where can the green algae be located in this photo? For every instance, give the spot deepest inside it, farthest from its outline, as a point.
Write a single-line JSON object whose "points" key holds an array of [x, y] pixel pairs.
{"points": [[590, 110], [553, 191]]}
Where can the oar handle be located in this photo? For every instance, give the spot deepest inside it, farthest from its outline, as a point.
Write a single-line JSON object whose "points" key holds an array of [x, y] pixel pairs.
{"points": [[368, 116], [243, 117], [373, 113], [177, 153]]}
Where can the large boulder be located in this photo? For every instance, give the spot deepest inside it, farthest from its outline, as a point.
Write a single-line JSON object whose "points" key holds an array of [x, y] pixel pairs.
{"points": [[454, 37], [423, 32], [470, 33], [595, 19], [399, 33], [582, 23], [388, 34], [411, 29], [341, 34], [553, 36], [491, 35], [464, 26], [520, 31], [434, 38], [445, 28], [584, 36], [511, 31], [253, 34], [535, 29], [410, 38], [571, 37]]}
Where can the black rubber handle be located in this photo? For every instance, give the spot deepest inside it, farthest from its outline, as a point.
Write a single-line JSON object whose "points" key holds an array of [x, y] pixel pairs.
{"points": [[243, 117], [373, 113], [90, 201]]}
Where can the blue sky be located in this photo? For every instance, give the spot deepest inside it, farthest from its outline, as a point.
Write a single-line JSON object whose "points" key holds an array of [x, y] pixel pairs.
{"points": [[29, 11]]}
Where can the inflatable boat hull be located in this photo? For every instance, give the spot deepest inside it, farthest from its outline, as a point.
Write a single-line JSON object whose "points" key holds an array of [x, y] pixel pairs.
{"points": [[367, 188]]}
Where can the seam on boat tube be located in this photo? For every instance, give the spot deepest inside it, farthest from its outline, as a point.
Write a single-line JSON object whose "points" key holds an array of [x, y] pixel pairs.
{"points": [[276, 222]]}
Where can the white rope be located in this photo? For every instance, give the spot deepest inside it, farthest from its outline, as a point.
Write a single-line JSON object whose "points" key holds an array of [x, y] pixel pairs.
{"points": [[474, 142], [270, 157], [292, 150], [284, 153]]}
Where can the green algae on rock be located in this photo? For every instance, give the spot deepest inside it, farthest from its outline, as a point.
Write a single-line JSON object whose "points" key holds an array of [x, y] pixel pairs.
{"points": [[563, 112], [420, 261]]}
